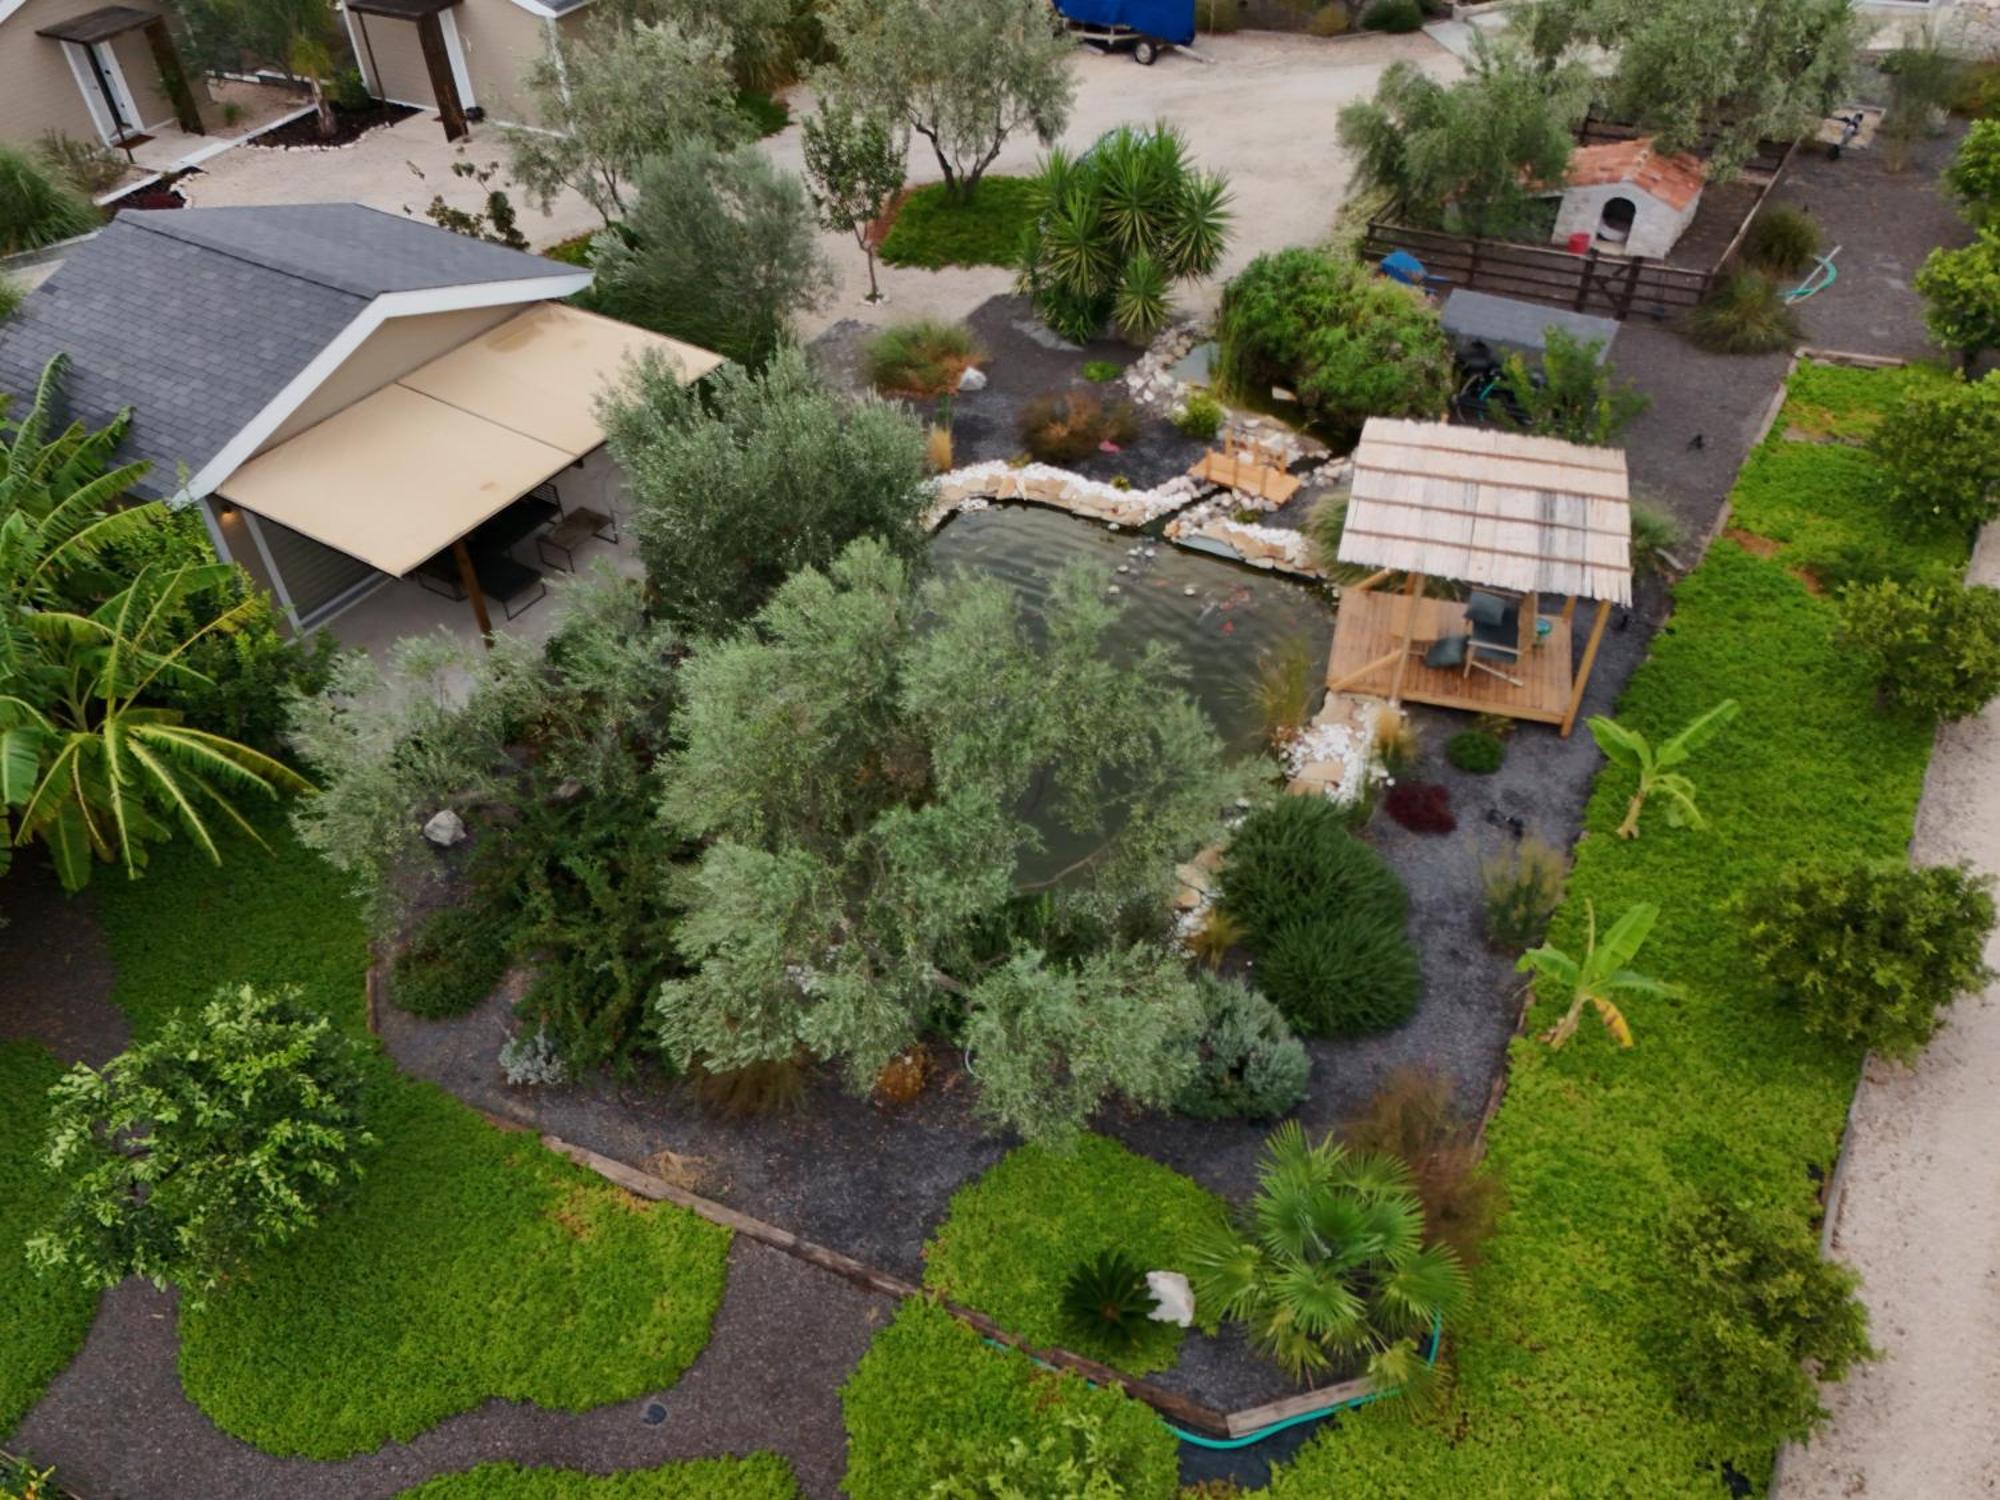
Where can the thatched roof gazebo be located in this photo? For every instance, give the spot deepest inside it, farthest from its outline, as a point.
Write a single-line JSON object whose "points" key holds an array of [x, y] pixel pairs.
{"points": [[1517, 518]]}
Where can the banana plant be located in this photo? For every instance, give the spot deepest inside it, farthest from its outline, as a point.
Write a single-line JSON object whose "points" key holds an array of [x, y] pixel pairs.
{"points": [[1655, 764], [92, 771], [1602, 978]]}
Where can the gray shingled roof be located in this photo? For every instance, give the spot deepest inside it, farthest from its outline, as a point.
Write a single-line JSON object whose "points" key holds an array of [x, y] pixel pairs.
{"points": [[197, 317]]}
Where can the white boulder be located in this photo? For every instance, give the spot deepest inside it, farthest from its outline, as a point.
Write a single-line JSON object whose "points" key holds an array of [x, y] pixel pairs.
{"points": [[1173, 1298], [445, 828]]}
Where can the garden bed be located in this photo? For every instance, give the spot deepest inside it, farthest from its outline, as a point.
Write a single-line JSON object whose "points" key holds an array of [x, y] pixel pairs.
{"points": [[303, 134]]}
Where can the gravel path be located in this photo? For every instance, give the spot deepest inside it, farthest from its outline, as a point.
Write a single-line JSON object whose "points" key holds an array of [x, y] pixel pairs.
{"points": [[116, 1422], [1920, 1214]]}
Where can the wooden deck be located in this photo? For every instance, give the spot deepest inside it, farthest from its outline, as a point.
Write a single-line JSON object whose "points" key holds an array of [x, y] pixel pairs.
{"points": [[1369, 624]]}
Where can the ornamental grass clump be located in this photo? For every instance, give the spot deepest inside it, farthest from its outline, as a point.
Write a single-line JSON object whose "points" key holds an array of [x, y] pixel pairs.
{"points": [[1332, 1266], [1872, 952], [1745, 313], [1521, 890], [924, 358], [1782, 241], [38, 207], [1415, 1118]]}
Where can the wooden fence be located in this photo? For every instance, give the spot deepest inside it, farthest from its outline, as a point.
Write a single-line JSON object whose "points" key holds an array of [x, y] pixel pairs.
{"points": [[1614, 286]]}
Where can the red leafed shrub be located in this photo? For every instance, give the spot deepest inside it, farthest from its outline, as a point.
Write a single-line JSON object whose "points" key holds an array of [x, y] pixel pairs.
{"points": [[1421, 806]]}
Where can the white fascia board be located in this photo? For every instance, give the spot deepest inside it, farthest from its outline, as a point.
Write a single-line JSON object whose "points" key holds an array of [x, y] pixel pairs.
{"points": [[8, 7], [389, 305], [532, 7]]}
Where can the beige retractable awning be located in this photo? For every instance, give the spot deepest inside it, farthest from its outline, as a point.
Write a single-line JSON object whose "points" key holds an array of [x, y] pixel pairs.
{"points": [[402, 474]]}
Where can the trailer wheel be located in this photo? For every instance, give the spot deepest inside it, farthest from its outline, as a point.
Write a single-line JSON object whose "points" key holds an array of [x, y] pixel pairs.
{"points": [[1145, 52]]}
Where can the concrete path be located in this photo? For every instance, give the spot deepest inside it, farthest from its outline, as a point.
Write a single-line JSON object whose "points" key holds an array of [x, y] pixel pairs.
{"points": [[1920, 1215]]}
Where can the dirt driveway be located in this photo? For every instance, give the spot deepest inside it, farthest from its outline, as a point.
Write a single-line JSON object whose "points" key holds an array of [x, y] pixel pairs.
{"points": [[1259, 107]]}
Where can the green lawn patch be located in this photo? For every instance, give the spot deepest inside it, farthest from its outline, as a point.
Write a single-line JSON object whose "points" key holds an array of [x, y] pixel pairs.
{"points": [[469, 1262], [932, 1400], [42, 1319], [761, 1476], [1011, 1239], [933, 229], [1557, 1388]]}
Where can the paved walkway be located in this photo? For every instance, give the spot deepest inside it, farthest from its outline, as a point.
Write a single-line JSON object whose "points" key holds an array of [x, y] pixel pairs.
{"points": [[1920, 1217]]}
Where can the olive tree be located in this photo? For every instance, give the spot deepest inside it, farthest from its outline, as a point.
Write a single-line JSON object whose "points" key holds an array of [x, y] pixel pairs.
{"points": [[963, 74], [854, 168], [614, 96], [869, 764], [720, 250], [229, 1131], [740, 485]]}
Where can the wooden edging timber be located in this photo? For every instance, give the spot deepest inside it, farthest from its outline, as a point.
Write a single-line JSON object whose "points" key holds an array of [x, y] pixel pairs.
{"points": [[1176, 1408]]}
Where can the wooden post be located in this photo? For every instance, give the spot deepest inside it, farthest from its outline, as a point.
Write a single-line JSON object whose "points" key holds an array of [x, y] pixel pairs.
{"points": [[444, 88], [468, 578], [187, 109], [1569, 609], [1589, 661], [1583, 275], [1410, 591]]}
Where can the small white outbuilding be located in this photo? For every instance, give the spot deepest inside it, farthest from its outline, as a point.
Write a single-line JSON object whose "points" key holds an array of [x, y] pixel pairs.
{"points": [[1629, 198]]}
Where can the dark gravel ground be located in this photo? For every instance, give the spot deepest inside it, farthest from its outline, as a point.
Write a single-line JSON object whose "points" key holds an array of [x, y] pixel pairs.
{"points": [[55, 970], [116, 1423]]}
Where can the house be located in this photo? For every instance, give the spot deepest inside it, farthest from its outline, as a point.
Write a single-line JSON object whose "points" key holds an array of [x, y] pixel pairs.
{"points": [[1627, 197], [464, 59], [96, 72], [350, 397]]}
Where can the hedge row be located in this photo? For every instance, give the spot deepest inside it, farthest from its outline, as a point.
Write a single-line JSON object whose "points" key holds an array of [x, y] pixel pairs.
{"points": [[1558, 1388]]}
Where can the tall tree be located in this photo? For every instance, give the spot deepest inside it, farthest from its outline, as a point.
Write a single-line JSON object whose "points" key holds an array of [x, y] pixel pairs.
{"points": [[963, 74], [854, 169], [740, 485], [720, 250], [864, 764], [615, 96]]}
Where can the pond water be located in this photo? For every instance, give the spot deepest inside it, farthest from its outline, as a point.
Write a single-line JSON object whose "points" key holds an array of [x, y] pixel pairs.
{"points": [[1233, 616]]}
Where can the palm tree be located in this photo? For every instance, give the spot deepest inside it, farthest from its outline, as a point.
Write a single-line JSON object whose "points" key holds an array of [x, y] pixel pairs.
{"points": [[1602, 978], [85, 765], [1330, 1263]]}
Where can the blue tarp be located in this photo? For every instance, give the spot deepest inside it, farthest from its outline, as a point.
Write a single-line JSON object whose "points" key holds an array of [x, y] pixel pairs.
{"points": [[1164, 20]]}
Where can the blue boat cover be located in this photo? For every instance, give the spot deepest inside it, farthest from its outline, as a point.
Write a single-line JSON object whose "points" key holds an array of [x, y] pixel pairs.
{"points": [[1165, 20]]}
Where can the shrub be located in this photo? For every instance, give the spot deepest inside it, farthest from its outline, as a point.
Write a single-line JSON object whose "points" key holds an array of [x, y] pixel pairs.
{"points": [[452, 963], [1961, 292], [1574, 399], [935, 228], [1107, 1301], [1068, 426], [1013, 1239], [1201, 416], [1394, 16], [1349, 344], [1522, 889], [1332, 1263], [1218, 17], [1421, 806], [11, 296], [1936, 647], [1744, 313], [1782, 241], [90, 167], [1283, 689], [1248, 1063], [1346, 973], [1761, 1318], [1413, 1117], [223, 1135], [932, 1411], [1974, 173], [924, 357], [36, 207], [1872, 952], [760, 1476], [1476, 752], [1218, 933], [21, 1480], [1113, 229], [1102, 370], [1655, 535], [1941, 448], [1294, 861]]}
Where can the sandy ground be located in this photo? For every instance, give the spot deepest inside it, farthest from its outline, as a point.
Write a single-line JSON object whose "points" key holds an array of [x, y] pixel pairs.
{"points": [[1920, 1216], [1258, 107]]}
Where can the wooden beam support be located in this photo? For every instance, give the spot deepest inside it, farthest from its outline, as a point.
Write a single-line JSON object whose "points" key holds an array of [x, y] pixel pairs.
{"points": [[1408, 628], [468, 578], [444, 88], [187, 108], [1569, 609], [1342, 684], [1589, 661]]}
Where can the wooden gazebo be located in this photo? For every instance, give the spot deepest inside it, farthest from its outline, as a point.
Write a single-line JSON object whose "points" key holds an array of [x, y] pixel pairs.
{"points": [[1520, 519]]}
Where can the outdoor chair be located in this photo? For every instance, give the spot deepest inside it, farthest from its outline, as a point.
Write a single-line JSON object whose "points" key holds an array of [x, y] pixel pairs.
{"points": [[1496, 633], [571, 532]]}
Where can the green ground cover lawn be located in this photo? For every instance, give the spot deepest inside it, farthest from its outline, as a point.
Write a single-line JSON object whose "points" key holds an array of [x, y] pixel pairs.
{"points": [[469, 1262], [1557, 1388], [932, 1401], [933, 229], [42, 1320], [762, 1476], [1011, 1239]]}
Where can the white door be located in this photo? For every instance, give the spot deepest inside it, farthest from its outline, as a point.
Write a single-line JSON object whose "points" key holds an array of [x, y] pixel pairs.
{"points": [[112, 108]]}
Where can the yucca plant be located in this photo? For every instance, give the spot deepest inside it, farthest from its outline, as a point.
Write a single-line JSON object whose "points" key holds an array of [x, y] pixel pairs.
{"points": [[1116, 228], [1106, 1300], [1655, 764], [1602, 978], [1331, 1263]]}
